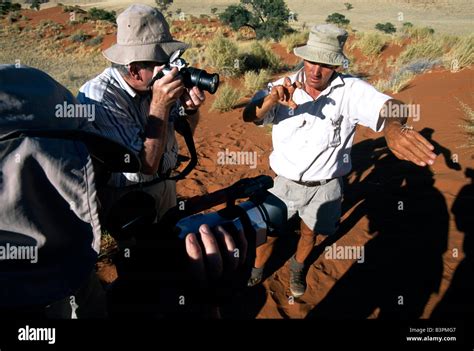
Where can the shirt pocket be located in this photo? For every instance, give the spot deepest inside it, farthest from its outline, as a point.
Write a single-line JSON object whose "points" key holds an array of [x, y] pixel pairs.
{"points": [[335, 130]]}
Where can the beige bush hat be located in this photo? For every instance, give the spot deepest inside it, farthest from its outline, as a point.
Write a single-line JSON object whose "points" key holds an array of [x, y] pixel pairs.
{"points": [[142, 35], [325, 45]]}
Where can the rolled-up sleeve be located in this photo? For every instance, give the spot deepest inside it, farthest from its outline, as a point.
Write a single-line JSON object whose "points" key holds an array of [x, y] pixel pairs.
{"points": [[364, 105]]}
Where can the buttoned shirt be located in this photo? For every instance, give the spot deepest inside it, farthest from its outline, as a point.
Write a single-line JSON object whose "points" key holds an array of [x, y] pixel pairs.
{"points": [[313, 142]]}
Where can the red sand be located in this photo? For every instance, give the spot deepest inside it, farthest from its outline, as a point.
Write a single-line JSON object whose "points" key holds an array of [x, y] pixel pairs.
{"points": [[437, 93]]}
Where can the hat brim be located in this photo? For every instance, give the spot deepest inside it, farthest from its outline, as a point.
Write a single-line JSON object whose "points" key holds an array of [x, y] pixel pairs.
{"points": [[158, 52], [320, 55]]}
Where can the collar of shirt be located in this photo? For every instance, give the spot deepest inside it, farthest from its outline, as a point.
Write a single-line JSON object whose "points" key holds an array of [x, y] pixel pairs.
{"points": [[123, 84]]}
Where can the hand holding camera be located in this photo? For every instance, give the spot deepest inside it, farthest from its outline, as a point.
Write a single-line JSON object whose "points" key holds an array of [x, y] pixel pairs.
{"points": [[193, 98], [216, 247], [191, 76], [168, 89]]}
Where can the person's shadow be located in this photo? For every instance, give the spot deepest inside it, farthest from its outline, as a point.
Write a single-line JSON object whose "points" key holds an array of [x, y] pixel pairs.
{"points": [[457, 302], [367, 153], [403, 263], [440, 149]]}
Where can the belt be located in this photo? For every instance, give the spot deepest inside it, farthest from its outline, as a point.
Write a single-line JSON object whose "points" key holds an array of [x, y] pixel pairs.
{"points": [[313, 183]]}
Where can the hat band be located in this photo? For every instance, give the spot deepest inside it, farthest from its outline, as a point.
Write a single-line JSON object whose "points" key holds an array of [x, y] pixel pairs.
{"points": [[143, 44], [324, 46], [320, 55]]}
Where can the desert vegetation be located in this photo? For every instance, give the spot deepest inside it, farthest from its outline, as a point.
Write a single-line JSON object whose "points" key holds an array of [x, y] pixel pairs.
{"points": [[397, 56], [234, 41]]}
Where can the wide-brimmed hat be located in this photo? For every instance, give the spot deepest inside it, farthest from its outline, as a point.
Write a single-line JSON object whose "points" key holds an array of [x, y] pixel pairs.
{"points": [[142, 35], [34, 104], [325, 45]]}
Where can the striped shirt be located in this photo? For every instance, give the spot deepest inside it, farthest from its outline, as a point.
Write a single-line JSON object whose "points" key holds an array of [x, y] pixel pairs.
{"points": [[121, 114]]}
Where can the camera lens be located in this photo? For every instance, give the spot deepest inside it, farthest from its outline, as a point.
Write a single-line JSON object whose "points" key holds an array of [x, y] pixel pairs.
{"points": [[203, 80]]}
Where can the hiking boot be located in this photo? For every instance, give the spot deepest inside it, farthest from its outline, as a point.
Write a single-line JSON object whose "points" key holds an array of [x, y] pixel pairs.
{"points": [[297, 278], [255, 277]]}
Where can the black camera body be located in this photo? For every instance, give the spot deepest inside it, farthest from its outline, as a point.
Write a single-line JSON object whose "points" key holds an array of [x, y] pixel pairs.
{"points": [[192, 77]]}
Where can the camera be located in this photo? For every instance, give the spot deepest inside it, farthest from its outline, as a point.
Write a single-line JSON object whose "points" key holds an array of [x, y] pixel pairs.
{"points": [[192, 77], [266, 213]]}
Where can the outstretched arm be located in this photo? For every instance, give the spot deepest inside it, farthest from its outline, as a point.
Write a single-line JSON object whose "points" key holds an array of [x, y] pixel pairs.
{"points": [[405, 143]]}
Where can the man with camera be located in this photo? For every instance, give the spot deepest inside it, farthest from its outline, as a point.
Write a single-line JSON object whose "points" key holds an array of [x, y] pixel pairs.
{"points": [[49, 209], [129, 110], [314, 114]]}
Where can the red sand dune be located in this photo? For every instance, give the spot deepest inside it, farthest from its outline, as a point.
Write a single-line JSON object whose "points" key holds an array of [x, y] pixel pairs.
{"points": [[437, 94], [421, 269]]}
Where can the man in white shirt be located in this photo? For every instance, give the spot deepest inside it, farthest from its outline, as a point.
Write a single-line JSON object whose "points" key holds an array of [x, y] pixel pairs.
{"points": [[127, 110], [314, 113]]}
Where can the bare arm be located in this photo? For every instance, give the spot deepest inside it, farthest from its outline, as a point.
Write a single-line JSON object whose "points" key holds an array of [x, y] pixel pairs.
{"points": [[280, 94], [165, 92], [406, 144], [256, 110], [156, 135]]}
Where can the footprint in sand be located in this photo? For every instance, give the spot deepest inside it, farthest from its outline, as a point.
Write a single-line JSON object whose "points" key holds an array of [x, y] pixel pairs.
{"points": [[207, 163]]}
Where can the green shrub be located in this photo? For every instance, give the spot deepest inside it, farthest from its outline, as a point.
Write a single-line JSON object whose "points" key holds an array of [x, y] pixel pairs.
{"points": [[338, 19], [7, 7], [260, 56], [449, 41], [396, 83], [370, 44], [193, 55], [226, 98], [163, 5], [461, 54], [429, 49], [268, 18], [222, 54], [294, 40], [79, 37], [254, 81], [75, 8], [388, 27], [418, 33], [35, 4], [95, 41], [100, 14]]}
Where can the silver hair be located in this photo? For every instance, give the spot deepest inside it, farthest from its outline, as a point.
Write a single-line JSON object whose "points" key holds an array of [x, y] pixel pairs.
{"points": [[122, 69]]}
